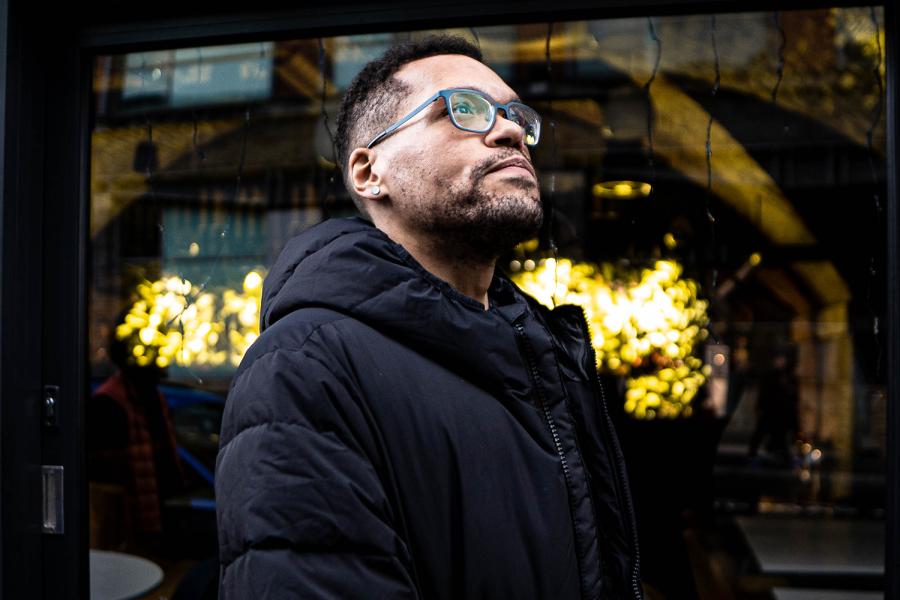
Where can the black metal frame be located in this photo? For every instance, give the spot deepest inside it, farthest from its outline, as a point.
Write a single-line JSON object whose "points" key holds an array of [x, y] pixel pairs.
{"points": [[892, 537], [45, 73], [20, 359], [42, 314], [157, 28]]}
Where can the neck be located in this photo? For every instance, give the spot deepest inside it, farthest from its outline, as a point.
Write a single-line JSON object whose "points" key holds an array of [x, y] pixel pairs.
{"points": [[468, 273]]}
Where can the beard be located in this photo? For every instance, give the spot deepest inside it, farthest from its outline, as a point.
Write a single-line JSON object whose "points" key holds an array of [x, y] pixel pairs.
{"points": [[476, 219]]}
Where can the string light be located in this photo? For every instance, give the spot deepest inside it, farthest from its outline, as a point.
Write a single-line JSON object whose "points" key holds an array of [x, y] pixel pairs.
{"points": [[879, 107], [647, 86], [148, 169], [329, 191], [877, 208], [779, 67], [198, 151], [551, 208], [711, 219], [713, 92], [324, 96], [223, 234], [173, 320]]}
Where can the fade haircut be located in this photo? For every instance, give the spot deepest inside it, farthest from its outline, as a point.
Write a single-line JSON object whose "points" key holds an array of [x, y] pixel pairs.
{"points": [[369, 105]]}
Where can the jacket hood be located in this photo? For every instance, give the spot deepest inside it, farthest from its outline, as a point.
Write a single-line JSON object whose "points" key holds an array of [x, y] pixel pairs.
{"points": [[351, 267]]}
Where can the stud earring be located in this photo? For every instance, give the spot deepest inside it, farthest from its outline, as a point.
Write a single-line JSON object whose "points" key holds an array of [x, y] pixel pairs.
{"points": [[375, 190]]}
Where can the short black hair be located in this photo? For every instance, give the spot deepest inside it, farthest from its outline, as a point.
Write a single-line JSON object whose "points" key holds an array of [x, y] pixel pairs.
{"points": [[365, 110]]}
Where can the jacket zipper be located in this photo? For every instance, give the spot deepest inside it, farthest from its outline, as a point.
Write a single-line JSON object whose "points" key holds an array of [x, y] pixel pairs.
{"points": [[620, 459], [545, 409]]}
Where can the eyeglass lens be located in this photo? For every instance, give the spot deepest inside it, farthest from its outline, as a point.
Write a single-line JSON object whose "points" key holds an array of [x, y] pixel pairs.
{"points": [[471, 111], [476, 113], [528, 120]]}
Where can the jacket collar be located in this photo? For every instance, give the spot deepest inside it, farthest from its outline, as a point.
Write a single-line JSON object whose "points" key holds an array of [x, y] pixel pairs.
{"points": [[351, 267]]}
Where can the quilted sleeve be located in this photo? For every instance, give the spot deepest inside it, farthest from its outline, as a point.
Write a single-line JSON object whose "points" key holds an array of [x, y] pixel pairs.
{"points": [[302, 511]]}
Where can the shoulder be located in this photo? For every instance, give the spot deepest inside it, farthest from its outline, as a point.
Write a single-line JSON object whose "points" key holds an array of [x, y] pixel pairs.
{"points": [[315, 333], [296, 372], [291, 333]]}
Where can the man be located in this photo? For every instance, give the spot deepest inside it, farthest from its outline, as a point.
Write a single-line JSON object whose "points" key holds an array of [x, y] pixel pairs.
{"points": [[132, 454], [409, 424]]}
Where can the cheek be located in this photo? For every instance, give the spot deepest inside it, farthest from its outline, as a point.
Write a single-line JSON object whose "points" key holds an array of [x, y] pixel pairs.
{"points": [[460, 166], [415, 175], [446, 169], [434, 163]]}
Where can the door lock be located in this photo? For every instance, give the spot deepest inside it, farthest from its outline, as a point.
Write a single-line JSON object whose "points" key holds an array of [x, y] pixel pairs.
{"points": [[50, 406]]}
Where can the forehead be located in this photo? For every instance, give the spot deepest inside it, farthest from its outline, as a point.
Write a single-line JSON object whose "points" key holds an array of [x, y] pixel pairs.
{"points": [[428, 75]]}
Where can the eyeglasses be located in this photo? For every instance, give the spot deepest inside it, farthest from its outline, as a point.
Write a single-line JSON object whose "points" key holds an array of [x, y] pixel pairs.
{"points": [[471, 110]]}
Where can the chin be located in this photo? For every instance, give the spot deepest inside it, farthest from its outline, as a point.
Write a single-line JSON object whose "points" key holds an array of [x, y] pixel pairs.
{"points": [[520, 182]]}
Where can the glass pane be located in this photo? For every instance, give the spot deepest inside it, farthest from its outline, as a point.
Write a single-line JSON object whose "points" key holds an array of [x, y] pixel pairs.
{"points": [[718, 191]]}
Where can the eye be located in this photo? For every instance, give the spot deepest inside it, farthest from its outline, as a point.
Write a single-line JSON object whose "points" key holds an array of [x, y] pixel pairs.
{"points": [[463, 108]]}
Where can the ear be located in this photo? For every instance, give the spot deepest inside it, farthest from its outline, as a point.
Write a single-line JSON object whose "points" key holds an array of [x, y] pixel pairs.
{"points": [[363, 176]]}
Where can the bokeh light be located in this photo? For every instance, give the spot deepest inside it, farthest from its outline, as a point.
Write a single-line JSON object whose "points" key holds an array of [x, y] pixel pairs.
{"points": [[646, 325], [173, 321]]}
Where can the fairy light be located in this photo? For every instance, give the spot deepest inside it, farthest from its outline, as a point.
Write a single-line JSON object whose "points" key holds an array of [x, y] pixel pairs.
{"points": [[551, 206], [713, 92], [646, 325], [323, 97], [173, 322], [779, 66], [647, 87], [198, 151], [877, 209], [711, 219]]}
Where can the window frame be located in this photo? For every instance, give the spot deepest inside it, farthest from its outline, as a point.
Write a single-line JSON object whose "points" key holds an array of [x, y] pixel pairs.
{"points": [[45, 96]]}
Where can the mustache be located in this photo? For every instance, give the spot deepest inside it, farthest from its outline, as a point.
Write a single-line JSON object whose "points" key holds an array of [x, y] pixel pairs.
{"points": [[483, 167]]}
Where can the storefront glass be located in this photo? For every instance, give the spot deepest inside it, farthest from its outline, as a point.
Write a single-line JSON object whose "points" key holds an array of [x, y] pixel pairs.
{"points": [[717, 184]]}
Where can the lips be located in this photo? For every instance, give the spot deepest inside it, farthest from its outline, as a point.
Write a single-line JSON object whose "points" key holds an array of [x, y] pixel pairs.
{"points": [[521, 163]]}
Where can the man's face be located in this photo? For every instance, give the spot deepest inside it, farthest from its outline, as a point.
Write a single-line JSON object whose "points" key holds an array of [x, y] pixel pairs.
{"points": [[455, 186]]}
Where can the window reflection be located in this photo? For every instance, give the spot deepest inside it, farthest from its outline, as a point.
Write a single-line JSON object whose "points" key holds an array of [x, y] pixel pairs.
{"points": [[761, 196]]}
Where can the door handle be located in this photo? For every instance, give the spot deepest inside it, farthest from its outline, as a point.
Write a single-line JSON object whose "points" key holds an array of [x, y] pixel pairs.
{"points": [[52, 499]]}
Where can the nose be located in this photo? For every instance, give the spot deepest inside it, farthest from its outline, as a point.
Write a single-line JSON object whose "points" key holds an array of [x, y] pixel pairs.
{"points": [[505, 133]]}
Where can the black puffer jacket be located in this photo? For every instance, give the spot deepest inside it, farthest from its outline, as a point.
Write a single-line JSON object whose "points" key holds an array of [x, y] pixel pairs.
{"points": [[387, 437]]}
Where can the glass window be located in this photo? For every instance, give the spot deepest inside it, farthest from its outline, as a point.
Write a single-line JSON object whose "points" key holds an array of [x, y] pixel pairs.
{"points": [[718, 191]]}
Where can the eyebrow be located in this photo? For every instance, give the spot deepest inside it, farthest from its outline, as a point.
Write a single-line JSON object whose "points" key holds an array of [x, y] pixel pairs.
{"points": [[478, 89], [435, 113]]}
